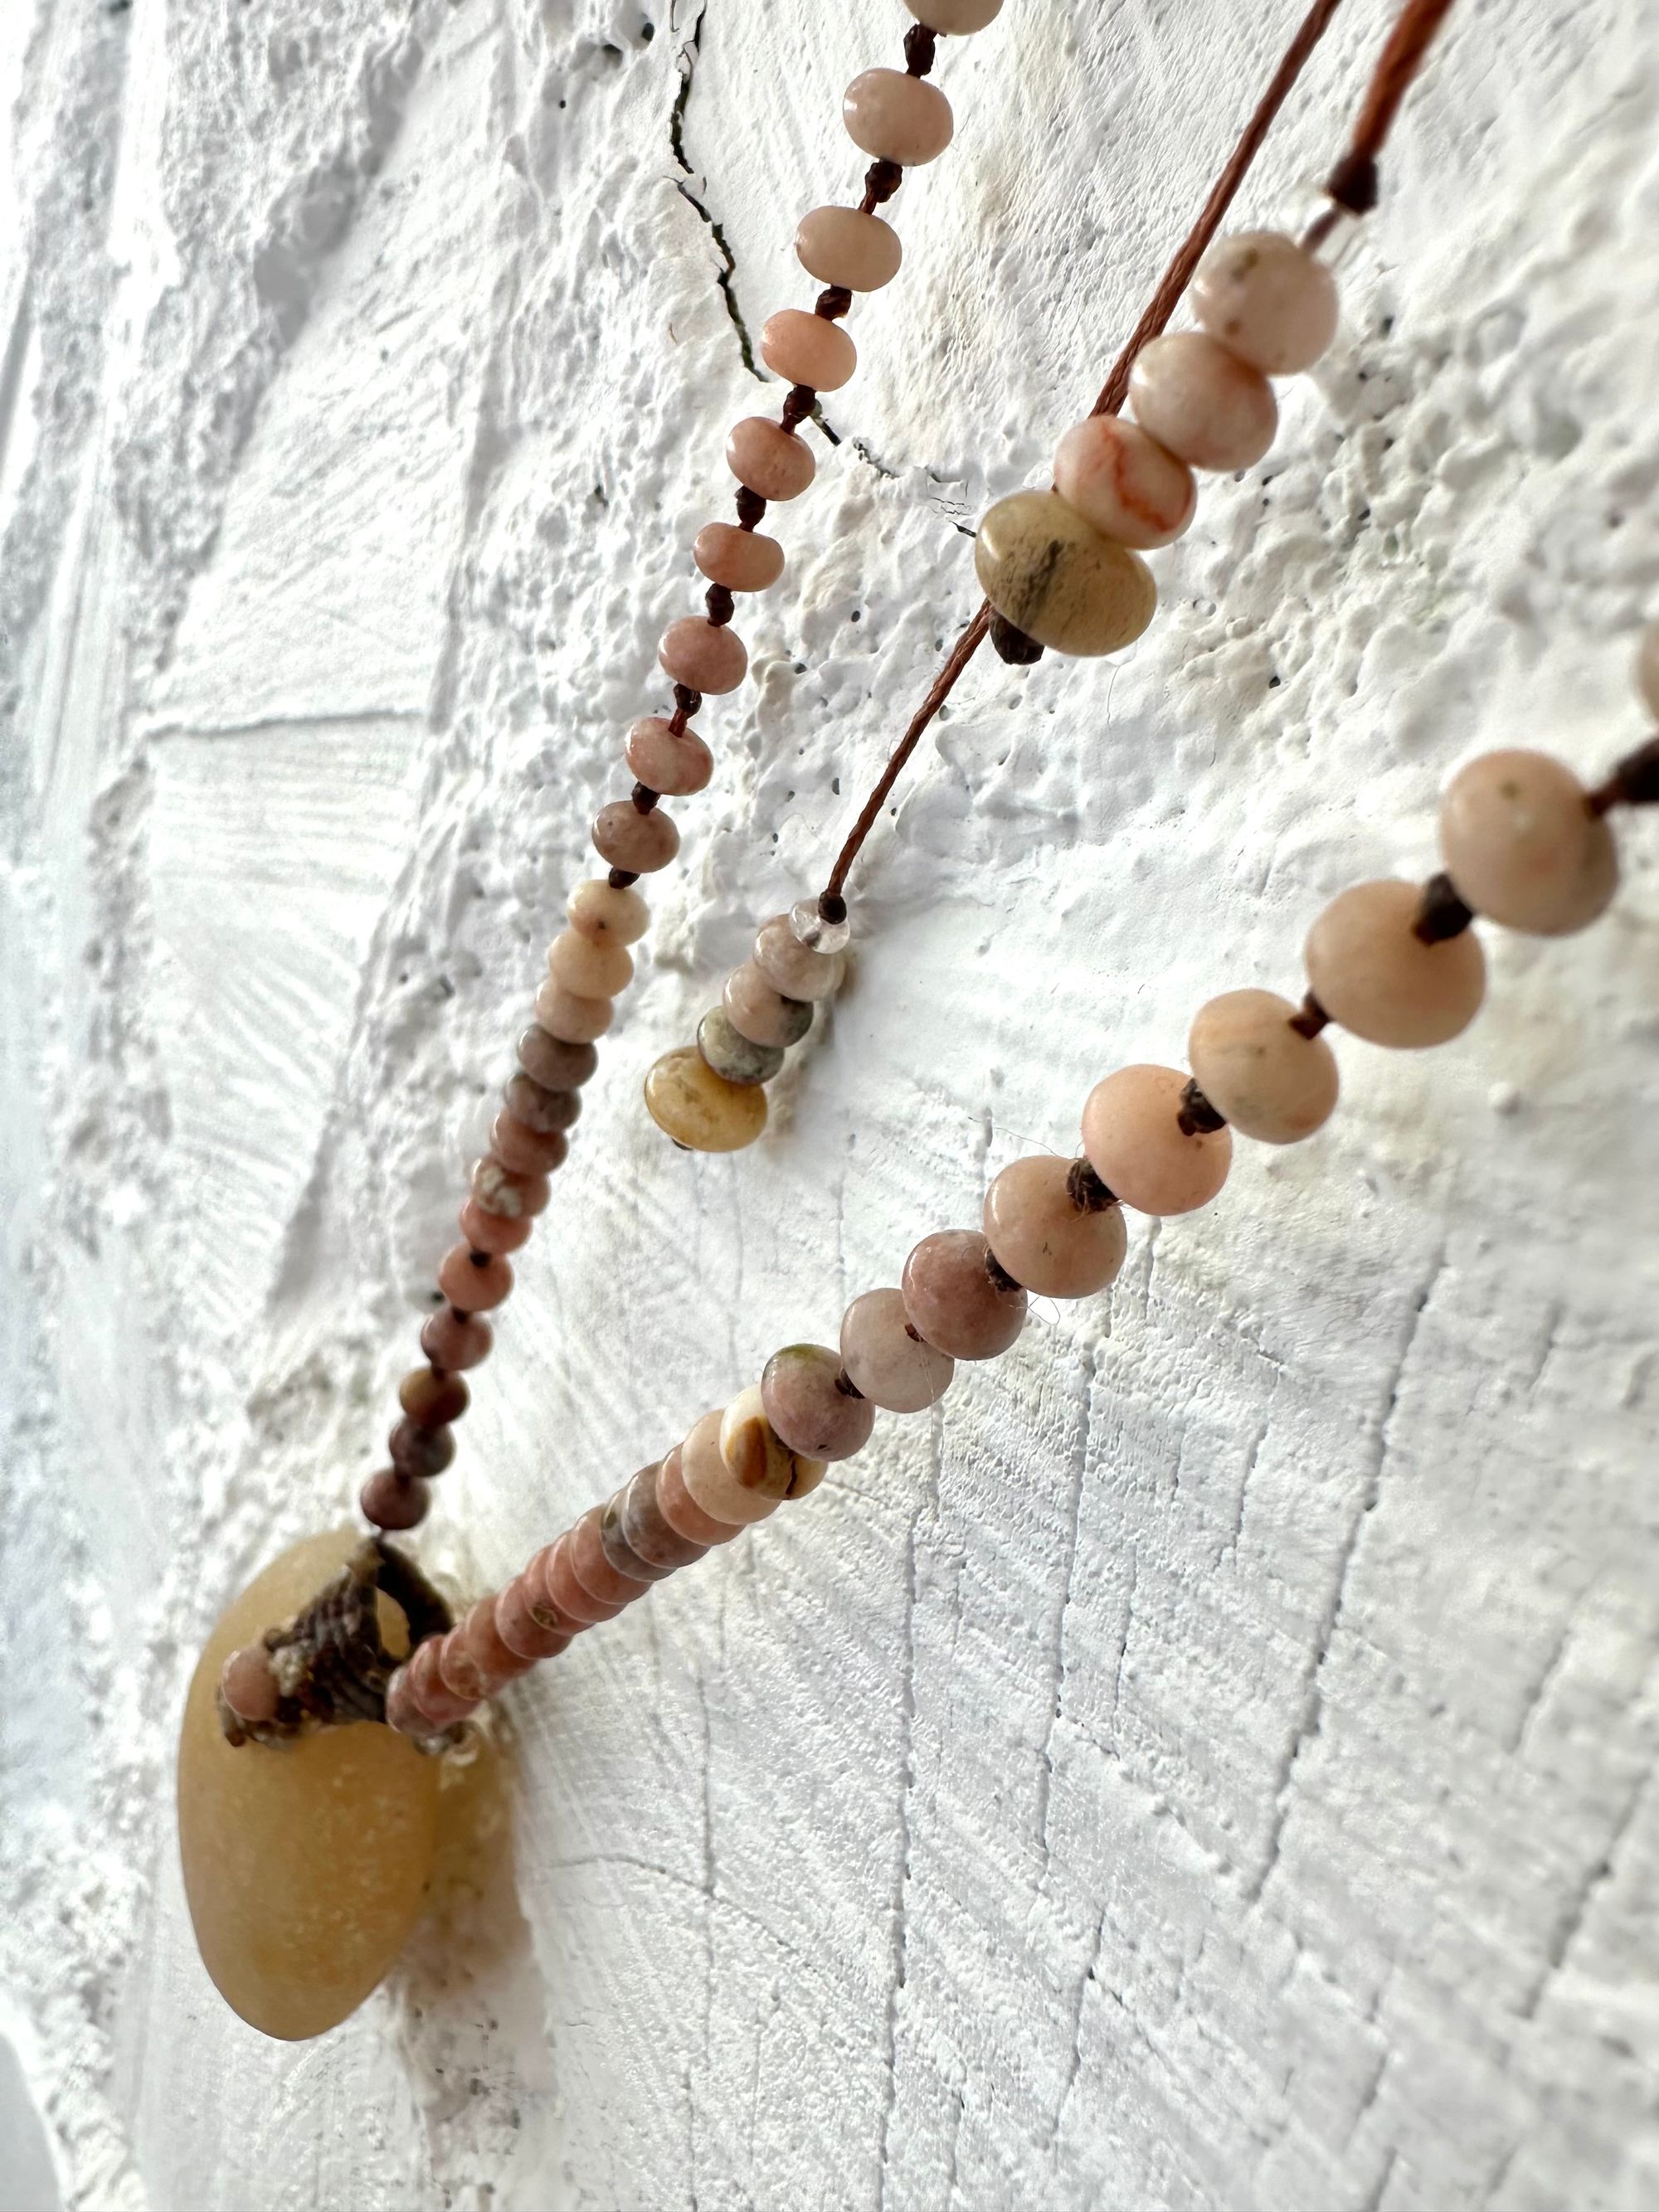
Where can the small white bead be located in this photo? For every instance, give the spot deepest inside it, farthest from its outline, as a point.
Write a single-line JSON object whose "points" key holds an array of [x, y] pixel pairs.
{"points": [[808, 927]]}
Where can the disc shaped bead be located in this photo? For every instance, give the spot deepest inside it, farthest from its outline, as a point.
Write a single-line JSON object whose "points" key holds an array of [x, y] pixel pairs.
{"points": [[613, 1536], [418, 1452], [1202, 403], [704, 656], [1123, 484], [846, 246], [758, 1457], [568, 1594], [473, 1287], [1135, 1144], [247, 1685], [731, 1054], [557, 1063], [496, 1660], [640, 843], [769, 458], [1521, 844], [742, 560], [651, 1535], [760, 1012], [953, 1300], [886, 1359], [792, 968], [526, 1620], [681, 1511], [734, 1494], [954, 17], [1374, 974], [700, 1109], [1262, 1076], [1647, 668], [549, 1113], [592, 1570], [534, 1154], [1268, 300], [611, 914], [456, 1340], [432, 1400], [1053, 575], [572, 1015], [1043, 1238], [394, 1502], [807, 350], [811, 1404], [589, 968], [483, 1232], [897, 117]]}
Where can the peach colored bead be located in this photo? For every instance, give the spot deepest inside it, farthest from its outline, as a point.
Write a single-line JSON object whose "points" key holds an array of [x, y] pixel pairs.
{"points": [[1123, 484], [642, 843], [453, 1341], [499, 1190], [1053, 575], [474, 1289], [438, 1706], [592, 1570], [1205, 404], [954, 17], [700, 1109], [1268, 300], [897, 117], [952, 1300], [570, 1015], [248, 1686], [846, 246], [681, 1511], [742, 560], [757, 1456], [497, 1662], [1267, 1079], [703, 656], [763, 1015], [590, 970], [719, 1488], [1647, 667], [808, 349], [1043, 1239], [493, 1232], [1522, 846], [1136, 1144], [555, 1063], [611, 914], [792, 968], [814, 1407], [664, 759], [458, 1671], [567, 1593], [533, 1154], [887, 1358], [526, 1621], [769, 458], [1372, 973], [402, 1712]]}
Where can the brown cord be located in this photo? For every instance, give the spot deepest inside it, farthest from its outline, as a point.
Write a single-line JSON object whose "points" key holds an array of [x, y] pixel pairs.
{"points": [[1352, 184]]}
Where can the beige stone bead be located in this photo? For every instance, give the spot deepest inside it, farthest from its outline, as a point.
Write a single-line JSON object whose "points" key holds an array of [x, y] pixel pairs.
{"points": [[611, 914], [1522, 846], [793, 968], [761, 1014], [897, 117], [1267, 1079], [954, 17], [642, 843], [1268, 300], [703, 655], [742, 560], [1123, 484], [1202, 403], [887, 1358], [1372, 973], [700, 1109], [571, 1016], [769, 458], [807, 350], [1136, 1145], [716, 1489], [592, 970], [1043, 1239], [1046, 571], [673, 762], [844, 245], [1647, 667], [757, 1456]]}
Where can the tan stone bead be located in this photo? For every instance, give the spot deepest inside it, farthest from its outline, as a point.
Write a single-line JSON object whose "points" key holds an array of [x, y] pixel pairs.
{"points": [[794, 968], [1123, 484], [1136, 1144], [954, 17], [1267, 1079], [769, 458], [762, 1014], [665, 760], [611, 914], [1647, 668], [700, 1109], [713, 1486], [742, 560], [570, 1015], [1372, 973], [1046, 571], [642, 843], [705, 656], [590, 970], [1043, 1239], [756, 1455], [897, 117], [808, 349], [887, 1359], [1268, 300], [1520, 845], [1202, 403], [844, 245]]}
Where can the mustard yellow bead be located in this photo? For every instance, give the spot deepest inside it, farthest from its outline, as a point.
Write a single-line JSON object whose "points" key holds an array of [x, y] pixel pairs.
{"points": [[1044, 569], [700, 1109]]}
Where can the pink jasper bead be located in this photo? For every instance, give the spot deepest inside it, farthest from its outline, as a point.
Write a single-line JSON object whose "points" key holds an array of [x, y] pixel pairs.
{"points": [[569, 1015], [394, 1502], [402, 1712], [761, 1014], [897, 117], [792, 968], [887, 1358], [526, 1621], [952, 1300], [566, 1592], [956, 17], [590, 970], [455, 1341], [438, 1706], [1374, 974], [724, 1493], [769, 458], [473, 1288], [807, 350], [846, 246], [651, 1535], [533, 1153], [498, 1189], [611, 914], [642, 843], [1044, 1239], [458, 1671], [555, 1062], [742, 560], [1521, 844], [812, 1405], [497, 1660], [549, 1113], [1136, 1144], [757, 1456], [1205, 404], [681, 1511], [1123, 484], [492, 1232], [704, 658], [676, 763], [601, 1581], [248, 1686], [1268, 300], [1267, 1079]]}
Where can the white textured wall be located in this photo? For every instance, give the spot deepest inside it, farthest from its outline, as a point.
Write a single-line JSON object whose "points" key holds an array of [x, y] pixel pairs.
{"points": [[1213, 1766]]}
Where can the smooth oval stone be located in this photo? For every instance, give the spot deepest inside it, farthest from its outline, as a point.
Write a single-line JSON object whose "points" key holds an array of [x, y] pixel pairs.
{"points": [[731, 1054], [1050, 573], [305, 1867]]}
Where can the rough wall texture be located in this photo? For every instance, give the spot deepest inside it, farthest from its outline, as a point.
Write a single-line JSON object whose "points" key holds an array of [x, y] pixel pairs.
{"points": [[1213, 1766]]}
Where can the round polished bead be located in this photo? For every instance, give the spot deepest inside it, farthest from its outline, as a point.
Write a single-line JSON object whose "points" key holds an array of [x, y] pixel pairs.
{"points": [[769, 458], [418, 1451], [794, 969], [434, 1700], [1370, 971], [601, 1581], [592, 970], [611, 914], [570, 1015], [1123, 484], [532, 1153], [681, 1511], [1268, 300], [700, 1109], [499, 1190], [432, 1400], [730, 1054], [402, 1712], [395, 1502], [763, 1015], [717, 1487], [248, 1686], [497, 1659], [568, 1594], [808, 926], [651, 1535], [458, 1671], [549, 1113], [1647, 667], [954, 1302], [640, 843], [473, 1287], [813, 1405], [887, 1360], [846, 246], [492, 1232], [556, 1063], [704, 656], [1132, 1136], [1043, 1238], [621, 1554], [954, 17], [1519, 843], [1051, 574], [756, 1455], [665, 759], [897, 117], [741, 560], [454, 1340], [1202, 403], [526, 1621], [807, 350], [1262, 1076]]}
